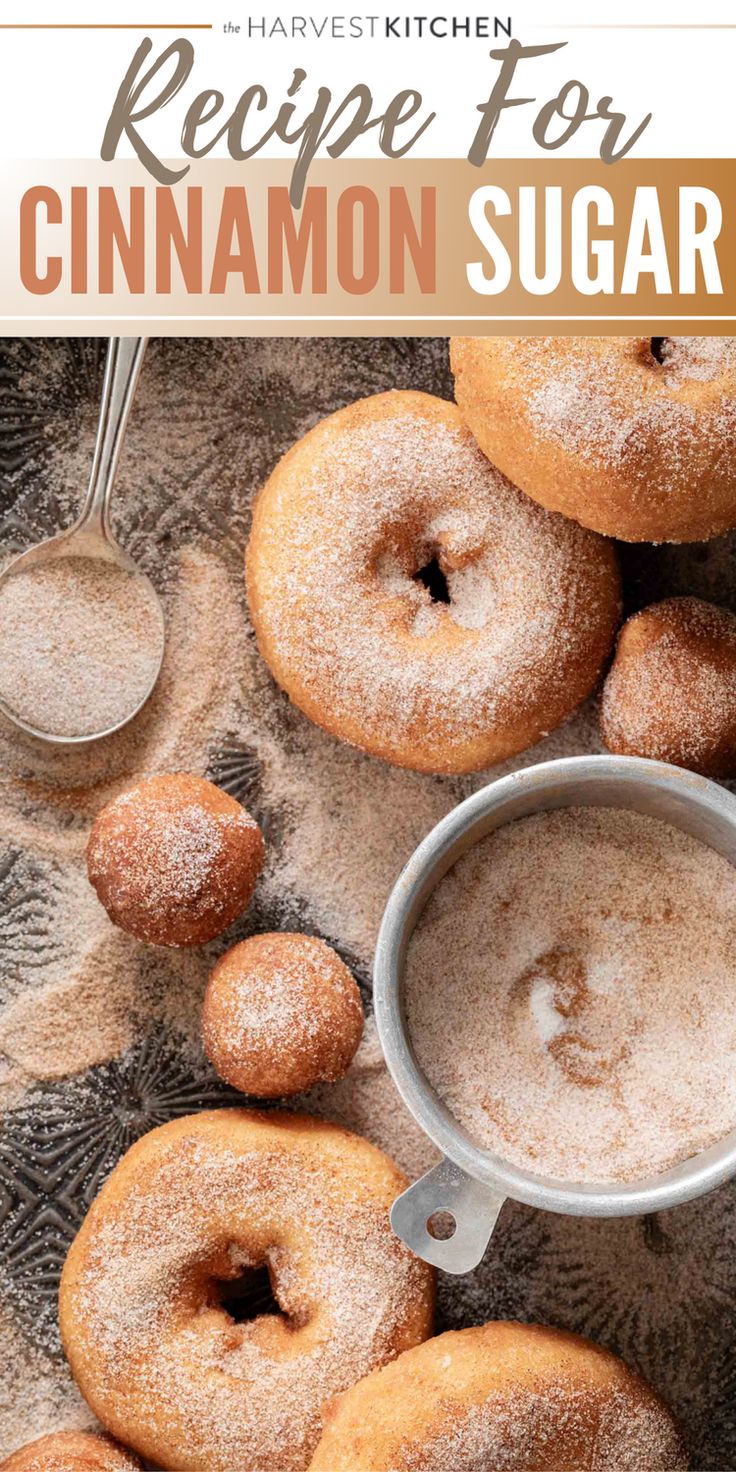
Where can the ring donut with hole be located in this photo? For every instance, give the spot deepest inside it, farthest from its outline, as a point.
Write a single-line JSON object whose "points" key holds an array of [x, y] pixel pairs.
{"points": [[191, 1209], [634, 437], [412, 602]]}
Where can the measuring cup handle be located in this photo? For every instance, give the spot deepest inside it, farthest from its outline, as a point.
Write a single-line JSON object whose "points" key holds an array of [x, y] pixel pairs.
{"points": [[473, 1207], [122, 367]]}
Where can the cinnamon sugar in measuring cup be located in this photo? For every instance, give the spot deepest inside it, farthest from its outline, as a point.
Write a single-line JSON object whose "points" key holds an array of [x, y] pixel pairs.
{"points": [[571, 994]]}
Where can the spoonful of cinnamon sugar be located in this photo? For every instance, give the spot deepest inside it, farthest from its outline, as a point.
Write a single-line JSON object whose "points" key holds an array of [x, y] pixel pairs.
{"points": [[81, 626]]}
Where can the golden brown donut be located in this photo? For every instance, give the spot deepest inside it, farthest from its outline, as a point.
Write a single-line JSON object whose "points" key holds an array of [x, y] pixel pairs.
{"points": [[71, 1451], [504, 1397], [632, 436], [281, 1013], [375, 503], [671, 691], [174, 859], [189, 1209]]}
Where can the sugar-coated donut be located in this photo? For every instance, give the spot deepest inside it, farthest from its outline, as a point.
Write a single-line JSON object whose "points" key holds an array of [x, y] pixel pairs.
{"points": [[632, 436], [174, 859], [188, 1210], [71, 1451], [281, 1013], [413, 602], [504, 1397], [671, 690]]}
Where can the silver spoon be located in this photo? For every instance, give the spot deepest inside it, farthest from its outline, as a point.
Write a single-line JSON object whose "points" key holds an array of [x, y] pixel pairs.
{"points": [[91, 536]]}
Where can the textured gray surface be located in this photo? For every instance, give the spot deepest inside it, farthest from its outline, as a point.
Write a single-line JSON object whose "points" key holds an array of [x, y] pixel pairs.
{"points": [[661, 1290]]}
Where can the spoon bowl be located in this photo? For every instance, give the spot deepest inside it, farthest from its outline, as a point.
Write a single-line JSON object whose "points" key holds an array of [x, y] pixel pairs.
{"points": [[99, 562]]}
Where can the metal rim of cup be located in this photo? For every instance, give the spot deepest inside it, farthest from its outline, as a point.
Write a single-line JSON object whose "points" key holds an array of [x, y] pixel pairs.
{"points": [[683, 799]]}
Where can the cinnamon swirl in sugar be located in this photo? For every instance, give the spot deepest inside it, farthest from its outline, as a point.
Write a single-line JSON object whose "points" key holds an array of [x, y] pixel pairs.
{"points": [[570, 994]]}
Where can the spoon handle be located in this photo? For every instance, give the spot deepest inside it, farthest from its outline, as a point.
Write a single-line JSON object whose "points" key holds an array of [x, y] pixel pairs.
{"points": [[122, 366]]}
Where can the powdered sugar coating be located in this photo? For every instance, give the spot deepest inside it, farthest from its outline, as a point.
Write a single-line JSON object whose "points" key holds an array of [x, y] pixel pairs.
{"points": [[570, 994], [340, 533], [196, 1203], [671, 691]]}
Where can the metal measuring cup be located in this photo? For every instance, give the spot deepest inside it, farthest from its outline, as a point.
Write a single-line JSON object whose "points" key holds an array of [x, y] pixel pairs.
{"points": [[472, 1184]]}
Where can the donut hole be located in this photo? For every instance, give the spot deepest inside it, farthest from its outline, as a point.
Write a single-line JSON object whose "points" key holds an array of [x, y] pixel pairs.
{"points": [[442, 1226], [249, 1295], [433, 579], [658, 349]]}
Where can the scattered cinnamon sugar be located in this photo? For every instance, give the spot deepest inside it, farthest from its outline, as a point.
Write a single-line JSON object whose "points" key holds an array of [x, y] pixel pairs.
{"points": [[365, 1101], [570, 994], [36, 1395]]}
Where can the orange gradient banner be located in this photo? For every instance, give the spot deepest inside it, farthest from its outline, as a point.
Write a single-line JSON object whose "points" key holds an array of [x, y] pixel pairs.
{"points": [[417, 246]]}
